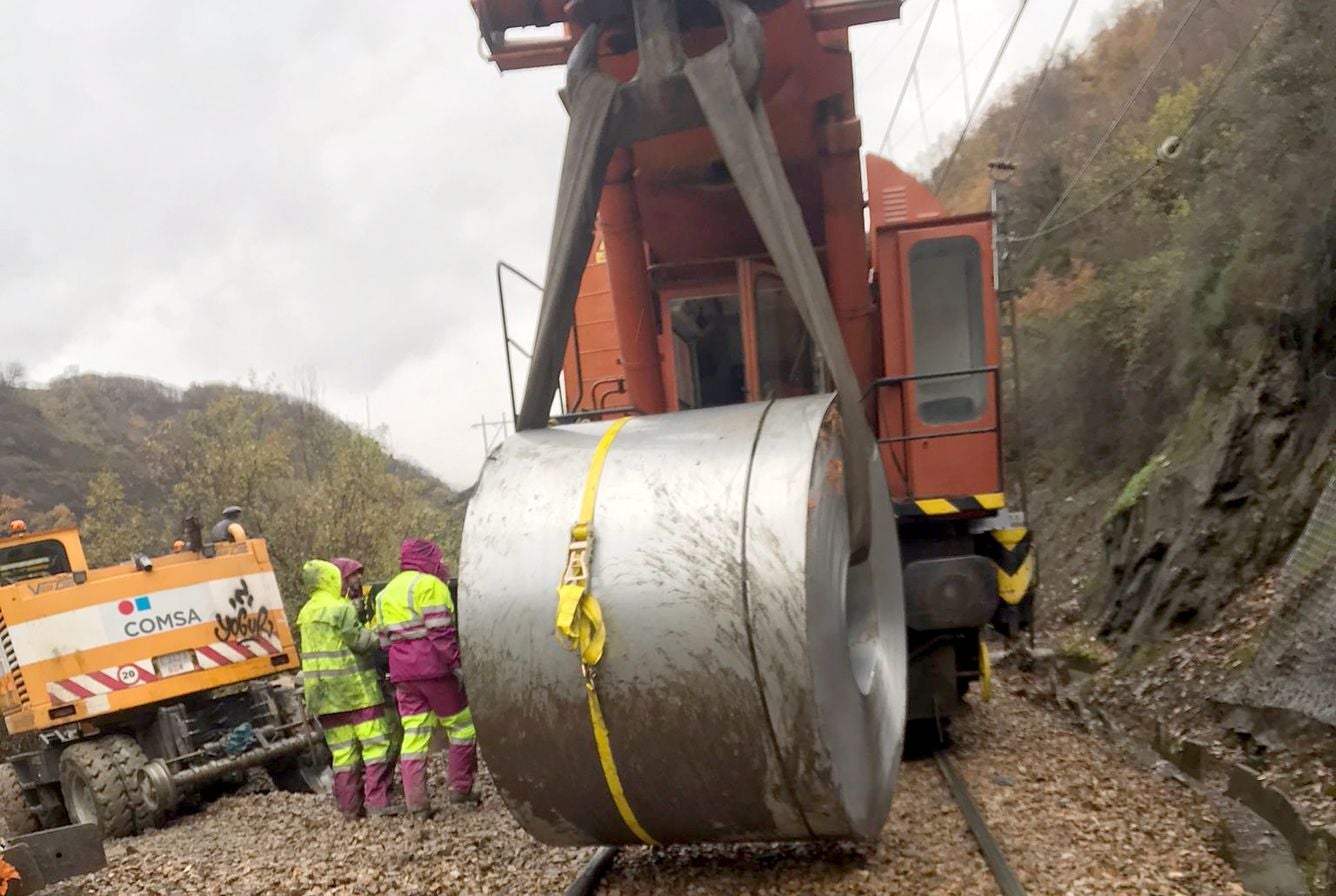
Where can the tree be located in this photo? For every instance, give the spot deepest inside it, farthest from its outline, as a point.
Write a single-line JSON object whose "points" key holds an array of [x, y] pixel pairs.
{"points": [[113, 528], [235, 450], [12, 508], [58, 517], [12, 375]]}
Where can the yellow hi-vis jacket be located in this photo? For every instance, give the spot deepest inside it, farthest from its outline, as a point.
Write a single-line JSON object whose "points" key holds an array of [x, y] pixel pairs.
{"points": [[415, 619], [337, 673]]}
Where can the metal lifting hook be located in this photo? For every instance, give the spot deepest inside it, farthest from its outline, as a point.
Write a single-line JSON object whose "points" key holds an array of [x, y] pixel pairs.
{"points": [[673, 92]]}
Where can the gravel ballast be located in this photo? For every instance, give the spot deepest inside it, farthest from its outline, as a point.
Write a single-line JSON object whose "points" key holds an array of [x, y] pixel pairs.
{"points": [[1073, 816]]}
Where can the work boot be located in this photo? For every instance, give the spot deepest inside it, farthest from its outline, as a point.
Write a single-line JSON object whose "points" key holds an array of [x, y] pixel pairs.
{"points": [[465, 798], [383, 811], [424, 814]]}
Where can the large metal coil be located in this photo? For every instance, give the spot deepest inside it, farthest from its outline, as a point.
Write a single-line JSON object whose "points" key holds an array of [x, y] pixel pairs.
{"points": [[753, 682]]}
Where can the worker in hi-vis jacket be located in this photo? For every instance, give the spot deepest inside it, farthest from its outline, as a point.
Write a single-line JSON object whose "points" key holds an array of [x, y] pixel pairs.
{"points": [[415, 619]]}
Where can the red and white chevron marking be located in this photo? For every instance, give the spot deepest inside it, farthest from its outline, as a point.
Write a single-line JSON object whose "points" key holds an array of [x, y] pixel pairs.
{"points": [[120, 678], [224, 653], [103, 681]]}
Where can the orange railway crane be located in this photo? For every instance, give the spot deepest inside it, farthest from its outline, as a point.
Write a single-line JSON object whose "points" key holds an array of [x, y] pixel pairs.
{"points": [[714, 153]]}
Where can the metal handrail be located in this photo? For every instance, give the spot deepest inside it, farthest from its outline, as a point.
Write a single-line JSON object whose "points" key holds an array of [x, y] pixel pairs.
{"points": [[625, 410], [993, 371], [502, 267]]}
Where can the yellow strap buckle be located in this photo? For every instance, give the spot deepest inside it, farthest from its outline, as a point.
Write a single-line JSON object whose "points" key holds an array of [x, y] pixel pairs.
{"points": [[579, 617], [580, 626]]}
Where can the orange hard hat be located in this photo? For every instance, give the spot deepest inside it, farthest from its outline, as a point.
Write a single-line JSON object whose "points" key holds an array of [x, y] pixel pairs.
{"points": [[17, 527]]}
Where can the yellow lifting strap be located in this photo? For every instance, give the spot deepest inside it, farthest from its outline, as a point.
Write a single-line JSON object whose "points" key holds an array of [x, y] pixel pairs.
{"points": [[580, 625], [985, 673]]}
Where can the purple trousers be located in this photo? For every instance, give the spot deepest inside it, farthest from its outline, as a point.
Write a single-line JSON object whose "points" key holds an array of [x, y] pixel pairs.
{"points": [[423, 706], [359, 740]]}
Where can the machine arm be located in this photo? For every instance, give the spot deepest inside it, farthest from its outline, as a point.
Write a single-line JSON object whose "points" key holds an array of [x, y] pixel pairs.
{"points": [[669, 93]]}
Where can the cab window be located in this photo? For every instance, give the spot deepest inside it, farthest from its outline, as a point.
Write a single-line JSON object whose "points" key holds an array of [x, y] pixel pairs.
{"points": [[786, 360], [946, 302], [33, 560], [708, 359]]}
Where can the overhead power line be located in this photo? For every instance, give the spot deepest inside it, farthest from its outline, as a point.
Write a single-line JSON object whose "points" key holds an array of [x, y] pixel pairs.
{"points": [[983, 92], [960, 53], [904, 32], [1039, 82], [946, 88], [913, 66], [1127, 107], [923, 115], [1203, 106]]}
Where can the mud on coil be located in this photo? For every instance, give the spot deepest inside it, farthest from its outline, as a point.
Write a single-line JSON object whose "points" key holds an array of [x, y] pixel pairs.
{"points": [[753, 681]]}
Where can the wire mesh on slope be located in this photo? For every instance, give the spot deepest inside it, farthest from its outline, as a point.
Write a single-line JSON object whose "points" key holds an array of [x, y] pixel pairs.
{"points": [[1295, 664]]}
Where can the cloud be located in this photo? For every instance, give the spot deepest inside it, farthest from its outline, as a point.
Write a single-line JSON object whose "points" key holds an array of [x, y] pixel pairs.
{"points": [[195, 191]]}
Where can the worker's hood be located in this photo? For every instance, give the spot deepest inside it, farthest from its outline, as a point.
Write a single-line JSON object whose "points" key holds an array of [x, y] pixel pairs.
{"points": [[321, 575], [420, 555], [347, 566]]}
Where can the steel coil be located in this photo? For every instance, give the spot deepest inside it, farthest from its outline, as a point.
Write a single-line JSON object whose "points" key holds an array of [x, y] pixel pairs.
{"points": [[754, 681]]}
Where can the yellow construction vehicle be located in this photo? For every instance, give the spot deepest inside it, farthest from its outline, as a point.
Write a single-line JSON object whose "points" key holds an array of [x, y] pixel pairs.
{"points": [[143, 681]]}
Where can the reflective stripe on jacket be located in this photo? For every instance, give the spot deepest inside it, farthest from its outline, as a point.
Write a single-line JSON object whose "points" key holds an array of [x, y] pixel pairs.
{"points": [[338, 674], [415, 620]]}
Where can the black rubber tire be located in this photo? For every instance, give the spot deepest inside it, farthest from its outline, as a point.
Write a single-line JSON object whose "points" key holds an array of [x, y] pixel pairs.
{"points": [[129, 759], [16, 817], [94, 791]]}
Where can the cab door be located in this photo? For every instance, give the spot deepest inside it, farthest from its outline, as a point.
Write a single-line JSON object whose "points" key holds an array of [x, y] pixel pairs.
{"points": [[943, 365]]}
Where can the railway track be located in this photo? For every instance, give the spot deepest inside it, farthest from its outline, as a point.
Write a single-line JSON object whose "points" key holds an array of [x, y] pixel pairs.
{"points": [[587, 880]]}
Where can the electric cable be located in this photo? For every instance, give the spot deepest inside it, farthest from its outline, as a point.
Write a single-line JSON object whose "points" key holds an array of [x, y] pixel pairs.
{"points": [[1039, 82], [1127, 107], [978, 51], [978, 100], [913, 65], [923, 114], [1203, 107], [881, 58], [960, 54]]}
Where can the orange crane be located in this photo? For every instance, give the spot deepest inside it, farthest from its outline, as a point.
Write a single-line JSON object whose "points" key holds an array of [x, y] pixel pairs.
{"points": [[715, 213]]}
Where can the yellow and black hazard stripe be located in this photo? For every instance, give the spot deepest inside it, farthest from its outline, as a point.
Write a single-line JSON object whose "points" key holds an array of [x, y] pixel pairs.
{"points": [[951, 506], [1012, 552]]}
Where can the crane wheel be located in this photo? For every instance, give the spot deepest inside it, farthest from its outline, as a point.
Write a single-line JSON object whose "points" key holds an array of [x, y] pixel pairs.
{"points": [[16, 818], [95, 791], [130, 759]]}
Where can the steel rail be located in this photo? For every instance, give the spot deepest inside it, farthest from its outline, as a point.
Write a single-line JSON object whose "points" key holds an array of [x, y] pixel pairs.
{"points": [[1007, 882], [592, 873]]}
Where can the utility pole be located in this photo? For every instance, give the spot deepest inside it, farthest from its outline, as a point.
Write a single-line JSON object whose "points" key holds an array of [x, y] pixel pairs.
{"points": [[494, 432], [1000, 171]]}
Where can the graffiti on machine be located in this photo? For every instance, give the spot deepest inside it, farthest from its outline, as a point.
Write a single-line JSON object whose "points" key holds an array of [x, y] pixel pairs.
{"points": [[244, 619]]}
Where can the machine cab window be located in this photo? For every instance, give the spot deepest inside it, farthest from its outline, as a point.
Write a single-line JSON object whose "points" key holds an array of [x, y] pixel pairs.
{"points": [[32, 560], [786, 359], [946, 306], [708, 355]]}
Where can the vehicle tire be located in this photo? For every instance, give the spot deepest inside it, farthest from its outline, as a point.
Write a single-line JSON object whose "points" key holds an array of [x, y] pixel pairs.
{"points": [[129, 759], [94, 790], [16, 817]]}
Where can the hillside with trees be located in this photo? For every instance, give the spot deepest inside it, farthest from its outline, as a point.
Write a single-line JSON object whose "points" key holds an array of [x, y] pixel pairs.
{"points": [[127, 460], [1170, 235]]}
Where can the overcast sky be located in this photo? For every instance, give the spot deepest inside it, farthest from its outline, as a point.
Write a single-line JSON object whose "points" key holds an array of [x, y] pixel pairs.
{"points": [[318, 191]]}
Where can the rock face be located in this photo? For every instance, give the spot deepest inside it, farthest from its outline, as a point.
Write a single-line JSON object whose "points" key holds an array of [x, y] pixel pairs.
{"points": [[1220, 506]]}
